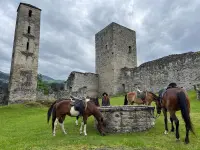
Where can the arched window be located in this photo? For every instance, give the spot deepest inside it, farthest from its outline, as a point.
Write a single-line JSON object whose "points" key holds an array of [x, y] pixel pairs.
{"points": [[30, 13]]}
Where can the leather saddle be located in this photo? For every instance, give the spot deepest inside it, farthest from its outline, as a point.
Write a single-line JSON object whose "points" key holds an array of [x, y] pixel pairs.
{"points": [[79, 104]]}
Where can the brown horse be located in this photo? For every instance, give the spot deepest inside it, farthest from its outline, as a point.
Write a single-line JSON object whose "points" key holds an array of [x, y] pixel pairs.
{"points": [[175, 99], [144, 97], [59, 110]]}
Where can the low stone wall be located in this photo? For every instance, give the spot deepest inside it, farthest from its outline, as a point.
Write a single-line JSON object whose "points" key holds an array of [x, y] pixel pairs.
{"points": [[53, 96], [197, 89], [198, 94], [123, 119]]}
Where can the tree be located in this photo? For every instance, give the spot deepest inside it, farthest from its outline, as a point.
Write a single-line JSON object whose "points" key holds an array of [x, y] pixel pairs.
{"points": [[41, 85]]}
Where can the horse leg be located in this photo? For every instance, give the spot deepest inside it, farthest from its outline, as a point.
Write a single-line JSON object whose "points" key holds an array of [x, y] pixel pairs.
{"points": [[172, 126], [85, 124], [173, 116], [81, 128], [165, 120], [77, 120], [55, 124], [61, 121]]}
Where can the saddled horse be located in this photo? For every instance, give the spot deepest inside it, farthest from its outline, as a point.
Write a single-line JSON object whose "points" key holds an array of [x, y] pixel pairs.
{"points": [[59, 109], [143, 97], [94, 100], [175, 99]]}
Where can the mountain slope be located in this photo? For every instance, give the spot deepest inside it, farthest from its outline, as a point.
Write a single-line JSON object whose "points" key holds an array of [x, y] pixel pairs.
{"points": [[4, 77]]}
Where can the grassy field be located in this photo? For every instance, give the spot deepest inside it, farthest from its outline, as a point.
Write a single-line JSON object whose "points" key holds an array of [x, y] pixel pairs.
{"points": [[26, 128]]}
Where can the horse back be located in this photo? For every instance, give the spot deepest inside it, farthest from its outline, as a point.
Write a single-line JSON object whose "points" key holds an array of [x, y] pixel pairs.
{"points": [[64, 106], [131, 95], [170, 98]]}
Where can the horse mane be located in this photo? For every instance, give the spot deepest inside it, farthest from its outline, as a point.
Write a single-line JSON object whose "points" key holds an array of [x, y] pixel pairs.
{"points": [[154, 96]]}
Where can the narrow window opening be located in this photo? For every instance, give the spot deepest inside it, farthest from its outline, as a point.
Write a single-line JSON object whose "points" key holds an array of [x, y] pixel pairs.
{"points": [[129, 49], [123, 88], [106, 46], [30, 13], [27, 46], [29, 29]]}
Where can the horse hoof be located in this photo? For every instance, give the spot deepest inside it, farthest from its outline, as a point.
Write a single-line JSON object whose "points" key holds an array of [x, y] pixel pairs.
{"points": [[177, 140], [165, 132], [186, 141]]}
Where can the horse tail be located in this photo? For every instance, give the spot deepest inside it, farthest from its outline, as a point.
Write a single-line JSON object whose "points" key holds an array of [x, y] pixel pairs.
{"points": [[185, 110], [50, 111], [125, 100], [53, 117]]}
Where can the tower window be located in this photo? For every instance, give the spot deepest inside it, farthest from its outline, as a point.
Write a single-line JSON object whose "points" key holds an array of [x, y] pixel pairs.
{"points": [[30, 13], [106, 46], [29, 29], [27, 45], [129, 49]]}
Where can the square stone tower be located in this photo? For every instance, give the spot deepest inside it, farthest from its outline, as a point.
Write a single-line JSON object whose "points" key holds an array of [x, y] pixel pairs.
{"points": [[24, 65], [115, 49]]}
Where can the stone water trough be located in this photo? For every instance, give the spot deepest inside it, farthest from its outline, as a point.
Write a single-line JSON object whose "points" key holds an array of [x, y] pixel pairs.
{"points": [[126, 119]]}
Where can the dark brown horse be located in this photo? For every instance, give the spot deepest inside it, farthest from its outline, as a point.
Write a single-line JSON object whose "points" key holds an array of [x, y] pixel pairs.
{"points": [[59, 110], [175, 99]]}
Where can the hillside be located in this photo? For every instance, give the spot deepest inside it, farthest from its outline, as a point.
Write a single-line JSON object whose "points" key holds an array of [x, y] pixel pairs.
{"points": [[4, 77]]}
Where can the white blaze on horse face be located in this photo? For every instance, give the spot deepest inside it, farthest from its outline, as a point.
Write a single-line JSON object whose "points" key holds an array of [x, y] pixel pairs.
{"points": [[73, 112], [54, 129], [62, 127], [85, 129]]}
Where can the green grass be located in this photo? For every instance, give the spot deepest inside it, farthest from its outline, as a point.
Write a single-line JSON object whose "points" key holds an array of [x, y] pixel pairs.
{"points": [[24, 127]]}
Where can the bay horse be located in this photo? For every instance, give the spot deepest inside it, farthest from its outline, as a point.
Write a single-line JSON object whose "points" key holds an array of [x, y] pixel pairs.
{"points": [[145, 98], [59, 109], [175, 99]]}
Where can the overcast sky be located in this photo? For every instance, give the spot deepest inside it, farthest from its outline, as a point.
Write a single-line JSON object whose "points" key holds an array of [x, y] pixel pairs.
{"points": [[68, 28]]}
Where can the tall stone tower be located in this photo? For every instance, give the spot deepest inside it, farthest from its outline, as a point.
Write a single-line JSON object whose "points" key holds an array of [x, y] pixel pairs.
{"points": [[115, 49], [24, 65]]}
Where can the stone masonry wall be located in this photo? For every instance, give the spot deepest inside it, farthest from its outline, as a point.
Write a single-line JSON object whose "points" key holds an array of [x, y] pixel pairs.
{"points": [[124, 119], [104, 59], [124, 47], [82, 84], [154, 75], [24, 65], [115, 48]]}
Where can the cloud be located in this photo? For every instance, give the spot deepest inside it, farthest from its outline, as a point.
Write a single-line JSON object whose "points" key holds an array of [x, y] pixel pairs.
{"points": [[68, 28]]}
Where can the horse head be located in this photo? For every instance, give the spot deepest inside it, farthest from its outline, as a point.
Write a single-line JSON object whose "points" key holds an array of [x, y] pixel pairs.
{"points": [[100, 126], [157, 101]]}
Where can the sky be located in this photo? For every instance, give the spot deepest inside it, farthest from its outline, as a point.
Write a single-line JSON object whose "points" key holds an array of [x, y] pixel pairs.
{"points": [[68, 28]]}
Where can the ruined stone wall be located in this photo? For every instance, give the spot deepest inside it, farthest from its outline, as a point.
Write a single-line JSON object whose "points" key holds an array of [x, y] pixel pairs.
{"points": [[82, 84], [154, 75], [115, 48], [24, 65], [53, 96], [125, 119]]}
